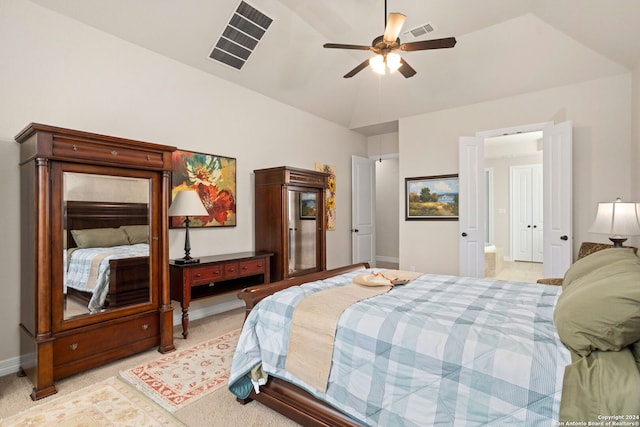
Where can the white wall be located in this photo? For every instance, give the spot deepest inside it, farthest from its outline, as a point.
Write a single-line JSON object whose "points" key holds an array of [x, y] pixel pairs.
{"points": [[59, 72], [601, 114], [635, 134]]}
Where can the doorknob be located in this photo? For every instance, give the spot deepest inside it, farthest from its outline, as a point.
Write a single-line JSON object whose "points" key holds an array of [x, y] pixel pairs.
{"points": [[355, 230], [464, 234], [564, 237]]}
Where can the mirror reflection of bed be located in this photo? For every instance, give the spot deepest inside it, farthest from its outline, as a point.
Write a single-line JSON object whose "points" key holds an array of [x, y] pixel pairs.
{"points": [[107, 243]]}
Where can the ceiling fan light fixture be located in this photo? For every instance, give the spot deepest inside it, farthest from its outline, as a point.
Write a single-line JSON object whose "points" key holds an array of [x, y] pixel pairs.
{"points": [[393, 61], [377, 64], [385, 47]]}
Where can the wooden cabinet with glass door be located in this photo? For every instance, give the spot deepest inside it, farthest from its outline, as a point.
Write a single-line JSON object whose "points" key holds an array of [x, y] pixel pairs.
{"points": [[290, 219]]}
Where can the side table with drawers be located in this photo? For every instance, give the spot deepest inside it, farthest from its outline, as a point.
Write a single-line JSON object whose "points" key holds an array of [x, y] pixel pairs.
{"points": [[215, 275]]}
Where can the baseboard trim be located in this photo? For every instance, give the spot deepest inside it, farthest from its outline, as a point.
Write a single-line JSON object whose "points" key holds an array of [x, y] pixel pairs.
{"points": [[206, 311], [9, 366]]}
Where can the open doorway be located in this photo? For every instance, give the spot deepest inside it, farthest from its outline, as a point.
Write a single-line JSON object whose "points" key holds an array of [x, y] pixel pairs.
{"points": [[513, 219], [557, 195]]}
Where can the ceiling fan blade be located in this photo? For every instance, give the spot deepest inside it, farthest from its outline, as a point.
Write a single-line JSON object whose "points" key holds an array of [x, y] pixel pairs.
{"points": [[345, 46], [394, 26], [356, 70], [429, 44], [406, 69]]}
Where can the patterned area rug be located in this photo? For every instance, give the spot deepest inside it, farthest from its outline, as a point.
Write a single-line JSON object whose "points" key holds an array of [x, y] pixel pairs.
{"points": [[108, 403], [183, 377]]}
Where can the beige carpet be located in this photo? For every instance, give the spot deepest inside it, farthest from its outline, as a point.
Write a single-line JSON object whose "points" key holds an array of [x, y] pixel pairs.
{"points": [[111, 402], [216, 409], [183, 377]]}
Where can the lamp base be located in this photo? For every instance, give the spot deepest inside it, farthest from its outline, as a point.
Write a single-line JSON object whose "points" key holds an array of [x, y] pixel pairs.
{"points": [[187, 261], [617, 241]]}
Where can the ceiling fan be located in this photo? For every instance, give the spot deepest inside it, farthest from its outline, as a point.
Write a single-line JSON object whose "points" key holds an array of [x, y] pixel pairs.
{"points": [[386, 48]]}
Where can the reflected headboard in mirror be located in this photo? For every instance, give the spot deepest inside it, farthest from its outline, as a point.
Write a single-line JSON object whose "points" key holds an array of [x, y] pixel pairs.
{"points": [[81, 215], [128, 277]]}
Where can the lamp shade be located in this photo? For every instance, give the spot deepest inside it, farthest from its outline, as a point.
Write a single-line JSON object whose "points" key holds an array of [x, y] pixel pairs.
{"points": [[617, 219], [187, 203]]}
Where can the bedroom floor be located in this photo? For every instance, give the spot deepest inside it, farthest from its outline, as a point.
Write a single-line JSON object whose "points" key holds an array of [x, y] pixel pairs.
{"points": [[518, 271]]}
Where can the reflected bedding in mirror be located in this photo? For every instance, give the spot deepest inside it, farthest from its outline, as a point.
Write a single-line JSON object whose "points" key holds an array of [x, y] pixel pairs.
{"points": [[88, 273]]}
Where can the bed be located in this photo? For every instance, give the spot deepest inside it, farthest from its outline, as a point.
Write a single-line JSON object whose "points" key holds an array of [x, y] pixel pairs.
{"points": [[396, 360], [107, 254], [447, 350]]}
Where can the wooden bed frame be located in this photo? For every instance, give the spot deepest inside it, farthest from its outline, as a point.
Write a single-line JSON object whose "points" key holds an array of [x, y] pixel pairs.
{"points": [[129, 277], [282, 396]]}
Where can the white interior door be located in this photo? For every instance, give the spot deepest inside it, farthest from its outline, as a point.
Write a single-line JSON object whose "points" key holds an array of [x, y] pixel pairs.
{"points": [[521, 213], [363, 210], [537, 217], [471, 209], [526, 213], [558, 201]]}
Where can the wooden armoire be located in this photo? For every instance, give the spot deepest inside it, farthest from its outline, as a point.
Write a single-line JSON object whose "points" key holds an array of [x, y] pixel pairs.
{"points": [[85, 183], [290, 219]]}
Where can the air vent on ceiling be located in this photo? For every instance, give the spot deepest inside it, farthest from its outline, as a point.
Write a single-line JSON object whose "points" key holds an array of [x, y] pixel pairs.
{"points": [[420, 31], [240, 37]]}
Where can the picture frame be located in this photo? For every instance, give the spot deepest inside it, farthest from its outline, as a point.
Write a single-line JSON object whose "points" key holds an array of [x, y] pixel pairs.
{"points": [[432, 197], [213, 177], [308, 205]]}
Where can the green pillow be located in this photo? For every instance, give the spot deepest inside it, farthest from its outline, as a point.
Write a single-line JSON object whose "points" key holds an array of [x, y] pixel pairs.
{"points": [[137, 233], [594, 261], [99, 237], [601, 310], [605, 382]]}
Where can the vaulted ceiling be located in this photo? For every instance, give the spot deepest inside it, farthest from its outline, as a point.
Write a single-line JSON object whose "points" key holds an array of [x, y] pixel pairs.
{"points": [[504, 48]]}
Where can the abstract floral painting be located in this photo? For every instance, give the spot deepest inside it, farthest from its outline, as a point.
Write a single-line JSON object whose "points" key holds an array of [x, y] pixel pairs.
{"points": [[214, 179], [331, 194]]}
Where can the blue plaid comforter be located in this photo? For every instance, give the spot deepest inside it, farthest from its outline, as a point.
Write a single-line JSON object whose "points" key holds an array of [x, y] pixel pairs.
{"points": [[77, 273], [441, 350]]}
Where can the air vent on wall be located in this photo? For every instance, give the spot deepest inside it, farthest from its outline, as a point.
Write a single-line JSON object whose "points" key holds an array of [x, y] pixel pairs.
{"points": [[420, 31], [240, 37]]}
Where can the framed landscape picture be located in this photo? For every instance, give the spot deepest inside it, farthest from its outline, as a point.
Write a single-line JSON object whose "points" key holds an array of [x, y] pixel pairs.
{"points": [[214, 179], [432, 197], [308, 209]]}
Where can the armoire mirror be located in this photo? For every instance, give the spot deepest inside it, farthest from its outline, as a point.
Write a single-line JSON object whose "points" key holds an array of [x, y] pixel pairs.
{"points": [[302, 230], [105, 242]]}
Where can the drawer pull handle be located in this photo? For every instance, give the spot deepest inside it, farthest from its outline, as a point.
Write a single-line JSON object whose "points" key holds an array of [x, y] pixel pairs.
{"points": [[211, 285], [232, 270], [73, 346], [245, 268], [198, 275], [145, 327], [114, 152], [74, 147], [259, 265]]}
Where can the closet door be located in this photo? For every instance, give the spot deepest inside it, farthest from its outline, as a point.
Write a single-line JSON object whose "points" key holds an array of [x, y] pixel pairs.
{"points": [[526, 213]]}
